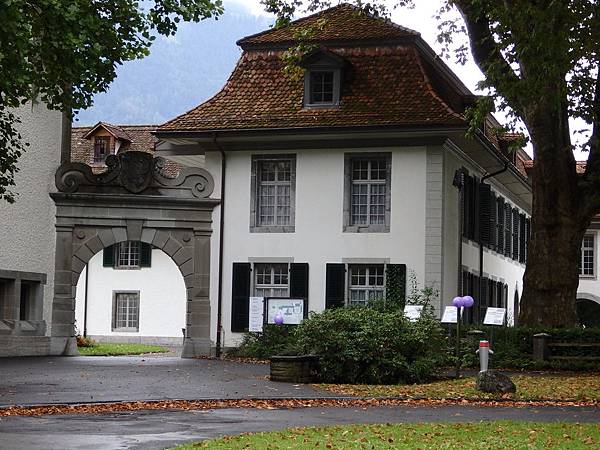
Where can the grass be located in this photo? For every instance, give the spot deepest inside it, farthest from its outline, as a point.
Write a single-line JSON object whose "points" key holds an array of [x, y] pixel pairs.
{"points": [[482, 435], [529, 387], [109, 349]]}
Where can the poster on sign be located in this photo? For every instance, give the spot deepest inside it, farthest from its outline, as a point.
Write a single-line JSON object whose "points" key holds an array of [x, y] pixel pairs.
{"points": [[257, 311], [450, 315], [413, 312], [494, 316], [292, 310]]}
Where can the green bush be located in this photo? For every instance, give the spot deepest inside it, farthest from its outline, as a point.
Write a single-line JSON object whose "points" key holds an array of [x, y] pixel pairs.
{"points": [[365, 345], [274, 340]]}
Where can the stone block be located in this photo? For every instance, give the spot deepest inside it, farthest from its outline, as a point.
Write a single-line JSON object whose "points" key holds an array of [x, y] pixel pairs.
{"points": [[134, 229], [120, 234], [171, 246], [107, 237], [148, 235], [94, 244], [493, 382], [160, 239]]}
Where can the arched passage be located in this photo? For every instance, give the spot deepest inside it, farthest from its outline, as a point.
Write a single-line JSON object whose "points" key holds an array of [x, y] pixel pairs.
{"points": [[588, 309], [133, 201], [131, 292]]}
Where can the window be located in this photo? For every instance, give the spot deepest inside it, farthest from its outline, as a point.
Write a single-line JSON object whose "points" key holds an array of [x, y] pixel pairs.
{"points": [[126, 311], [321, 87], [366, 283], [586, 266], [101, 148], [271, 280], [128, 254], [273, 190], [368, 193], [322, 79]]}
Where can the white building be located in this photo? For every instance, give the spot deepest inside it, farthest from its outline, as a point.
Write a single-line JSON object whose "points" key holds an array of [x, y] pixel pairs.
{"points": [[333, 181], [27, 237]]}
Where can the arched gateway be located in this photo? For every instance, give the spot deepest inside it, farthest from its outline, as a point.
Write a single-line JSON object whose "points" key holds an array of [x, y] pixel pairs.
{"points": [[133, 201]]}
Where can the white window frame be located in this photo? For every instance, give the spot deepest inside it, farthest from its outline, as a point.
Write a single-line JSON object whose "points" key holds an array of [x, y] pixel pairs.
{"points": [[367, 287], [125, 257], [117, 321], [271, 287], [349, 182], [256, 223], [585, 253]]}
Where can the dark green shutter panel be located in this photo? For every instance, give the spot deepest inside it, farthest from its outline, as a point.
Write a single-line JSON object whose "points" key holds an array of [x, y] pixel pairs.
{"points": [[507, 230], [465, 283], [108, 256], [522, 238], [493, 220], [299, 280], [240, 297], [475, 212], [395, 283], [516, 309], [515, 234], [500, 219], [527, 236], [335, 285], [485, 207], [145, 255]]}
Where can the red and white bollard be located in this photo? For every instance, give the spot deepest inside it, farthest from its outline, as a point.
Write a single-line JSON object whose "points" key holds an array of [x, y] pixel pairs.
{"points": [[484, 355]]}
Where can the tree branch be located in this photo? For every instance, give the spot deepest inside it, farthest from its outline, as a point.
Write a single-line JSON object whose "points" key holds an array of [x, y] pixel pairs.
{"points": [[487, 54]]}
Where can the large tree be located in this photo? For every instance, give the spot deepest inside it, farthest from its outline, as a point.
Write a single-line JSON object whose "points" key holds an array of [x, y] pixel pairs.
{"points": [[540, 61], [62, 52]]}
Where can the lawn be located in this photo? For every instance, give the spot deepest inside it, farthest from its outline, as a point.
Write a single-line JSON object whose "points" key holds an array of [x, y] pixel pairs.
{"points": [[106, 349], [584, 387], [488, 435]]}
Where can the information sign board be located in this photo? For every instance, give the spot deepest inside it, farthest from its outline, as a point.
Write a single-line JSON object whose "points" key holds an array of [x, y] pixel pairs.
{"points": [[450, 315], [257, 310], [494, 316], [413, 312], [292, 310]]}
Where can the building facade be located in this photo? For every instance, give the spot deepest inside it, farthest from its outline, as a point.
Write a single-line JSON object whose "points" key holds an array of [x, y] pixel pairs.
{"points": [[354, 171], [27, 237]]}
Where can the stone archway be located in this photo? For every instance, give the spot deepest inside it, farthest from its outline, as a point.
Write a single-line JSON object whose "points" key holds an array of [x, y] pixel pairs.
{"points": [[133, 201]]}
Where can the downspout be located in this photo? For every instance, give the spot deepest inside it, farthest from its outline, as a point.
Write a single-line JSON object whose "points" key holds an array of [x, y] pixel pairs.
{"points": [[85, 300], [485, 177], [221, 245]]}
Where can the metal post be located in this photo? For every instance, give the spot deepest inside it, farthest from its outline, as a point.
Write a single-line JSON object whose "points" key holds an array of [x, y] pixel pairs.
{"points": [[457, 351]]}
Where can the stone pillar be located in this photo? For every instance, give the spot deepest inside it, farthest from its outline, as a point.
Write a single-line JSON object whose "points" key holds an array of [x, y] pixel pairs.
{"points": [[196, 272], [540, 346], [63, 340], [12, 307]]}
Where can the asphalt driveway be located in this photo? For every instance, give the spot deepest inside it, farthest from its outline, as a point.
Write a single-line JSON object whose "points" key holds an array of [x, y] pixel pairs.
{"points": [[29, 381]]}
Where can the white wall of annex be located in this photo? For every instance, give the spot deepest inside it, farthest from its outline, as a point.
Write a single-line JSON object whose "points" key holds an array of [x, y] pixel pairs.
{"points": [[318, 238], [162, 297], [27, 233], [589, 286], [496, 266]]}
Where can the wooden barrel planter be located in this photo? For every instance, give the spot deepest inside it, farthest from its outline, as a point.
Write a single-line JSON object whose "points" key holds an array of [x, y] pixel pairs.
{"points": [[293, 369]]}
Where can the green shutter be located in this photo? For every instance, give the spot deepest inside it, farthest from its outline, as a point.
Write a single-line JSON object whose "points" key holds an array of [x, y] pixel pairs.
{"points": [[240, 297], [335, 285], [108, 256], [145, 255], [299, 280], [483, 218], [395, 284]]}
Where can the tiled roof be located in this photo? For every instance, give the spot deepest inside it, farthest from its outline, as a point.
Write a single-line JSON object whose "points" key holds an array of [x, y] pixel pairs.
{"points": [[579, 166], [139, 138], [381, 85], [340, 23]]}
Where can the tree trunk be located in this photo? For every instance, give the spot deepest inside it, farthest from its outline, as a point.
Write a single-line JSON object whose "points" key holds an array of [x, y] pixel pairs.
{"points": [[552, 275]]}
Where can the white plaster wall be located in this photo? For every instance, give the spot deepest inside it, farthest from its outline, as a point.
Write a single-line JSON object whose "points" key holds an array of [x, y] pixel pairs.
{"points": [[162, 297], [27, 235], [318, 238], [589, 287]]}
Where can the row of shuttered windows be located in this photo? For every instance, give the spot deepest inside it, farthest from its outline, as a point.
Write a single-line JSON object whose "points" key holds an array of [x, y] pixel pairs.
{"points": [[493, 294], [344, 284], [504, 229]]}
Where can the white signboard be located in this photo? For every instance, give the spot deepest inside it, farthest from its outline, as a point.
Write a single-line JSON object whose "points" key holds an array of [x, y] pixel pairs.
{"points": [[256, 314], [413, 312], [292, 310], [494, 316], [450, 315]]}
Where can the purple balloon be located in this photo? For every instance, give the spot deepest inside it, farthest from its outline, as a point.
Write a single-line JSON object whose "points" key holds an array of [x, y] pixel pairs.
{"points": [[278, 319], [468, 301], [458, 301]]}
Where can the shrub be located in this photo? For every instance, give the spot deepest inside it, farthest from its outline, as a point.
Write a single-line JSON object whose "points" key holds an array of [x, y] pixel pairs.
{"points": [[84, 341], [365, 345], [274, 340]]}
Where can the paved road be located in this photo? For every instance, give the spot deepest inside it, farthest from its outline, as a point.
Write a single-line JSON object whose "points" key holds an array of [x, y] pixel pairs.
{"points": [[158, 429], [26, 381]]}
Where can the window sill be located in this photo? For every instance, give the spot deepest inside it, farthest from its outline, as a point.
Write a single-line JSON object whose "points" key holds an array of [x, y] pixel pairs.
{"points": [[587, 277], [366, 229], [322, 106], [273, 229], [127, 268], [125, 330]]}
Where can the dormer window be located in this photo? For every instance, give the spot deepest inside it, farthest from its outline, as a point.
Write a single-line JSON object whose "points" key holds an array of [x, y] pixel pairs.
{"points": [[322, 79], [101, 148]]}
